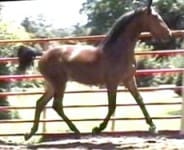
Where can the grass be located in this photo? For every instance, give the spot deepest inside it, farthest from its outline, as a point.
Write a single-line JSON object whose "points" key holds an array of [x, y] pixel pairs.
{"points": [[95, 99]]}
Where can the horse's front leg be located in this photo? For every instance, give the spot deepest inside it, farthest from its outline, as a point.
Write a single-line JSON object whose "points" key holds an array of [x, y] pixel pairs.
{"points": [[39, 107], [111, 108], [132, 87]]}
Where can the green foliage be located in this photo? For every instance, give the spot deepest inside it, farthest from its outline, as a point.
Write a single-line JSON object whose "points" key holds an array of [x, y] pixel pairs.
{"points": [[102, 13], [150, 62], [172, 12], [12, 31], [39, 27], [80, 30], [177, 62], [8, 31], [5, 114], [144, 62], [170, 62]]}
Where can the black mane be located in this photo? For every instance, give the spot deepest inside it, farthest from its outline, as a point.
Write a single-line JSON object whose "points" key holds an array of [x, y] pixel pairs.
{"points": [[119, 26]]}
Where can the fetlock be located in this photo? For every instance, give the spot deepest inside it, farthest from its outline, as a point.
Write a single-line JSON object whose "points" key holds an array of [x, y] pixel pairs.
{"points": [[153, 129]]}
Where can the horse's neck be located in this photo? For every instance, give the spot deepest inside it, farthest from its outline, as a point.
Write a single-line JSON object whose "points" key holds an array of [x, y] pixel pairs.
{"points": [[122, 49], [126, 42], [129, 38]]}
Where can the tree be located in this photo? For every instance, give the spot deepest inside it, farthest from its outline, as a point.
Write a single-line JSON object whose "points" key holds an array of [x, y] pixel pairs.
{"points": [[172, 12], [37, 26], [102, 13], [80, 30]]}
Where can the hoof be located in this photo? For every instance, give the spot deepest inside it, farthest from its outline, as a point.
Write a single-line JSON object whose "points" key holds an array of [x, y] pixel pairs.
{"points": [[77, 136], [27, 136], [153, 130], [96, 130]]}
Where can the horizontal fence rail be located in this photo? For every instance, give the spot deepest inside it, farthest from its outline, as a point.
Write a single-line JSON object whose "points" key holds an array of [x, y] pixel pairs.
{"points": [[138, 72], [5, 108], [146, 89], [176, 33], [145, 72], [86, 119], [155, 52]]}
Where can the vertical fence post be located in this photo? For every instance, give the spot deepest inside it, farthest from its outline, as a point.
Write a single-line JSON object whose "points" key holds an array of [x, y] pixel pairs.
{"points": [[182, 108], [44, 130], [113, 123]]}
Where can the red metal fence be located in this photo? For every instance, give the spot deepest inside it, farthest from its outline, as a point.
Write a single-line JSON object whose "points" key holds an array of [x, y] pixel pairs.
{"points": [[46, 120]]}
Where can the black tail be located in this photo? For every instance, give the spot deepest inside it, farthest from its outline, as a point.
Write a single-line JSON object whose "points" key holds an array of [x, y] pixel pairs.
{"points": [[26, 56]]}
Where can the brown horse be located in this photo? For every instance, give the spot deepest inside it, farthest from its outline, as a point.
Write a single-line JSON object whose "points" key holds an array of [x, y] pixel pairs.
{"points": [[109, 64]]}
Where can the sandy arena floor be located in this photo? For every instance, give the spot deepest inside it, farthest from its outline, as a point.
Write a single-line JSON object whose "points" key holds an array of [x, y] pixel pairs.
{"points": [[105, 143]]}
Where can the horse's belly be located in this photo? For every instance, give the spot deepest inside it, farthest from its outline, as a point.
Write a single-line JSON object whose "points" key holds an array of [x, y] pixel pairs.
{"points": [[88, 82], [88, 74], [87, 79]]}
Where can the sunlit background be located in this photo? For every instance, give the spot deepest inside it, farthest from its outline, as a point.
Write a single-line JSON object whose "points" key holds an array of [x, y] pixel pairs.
{"points": [[61, 13]]}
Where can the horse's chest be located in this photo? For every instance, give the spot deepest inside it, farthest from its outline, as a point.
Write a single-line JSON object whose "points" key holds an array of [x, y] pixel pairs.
{"points": [[120, 73]]}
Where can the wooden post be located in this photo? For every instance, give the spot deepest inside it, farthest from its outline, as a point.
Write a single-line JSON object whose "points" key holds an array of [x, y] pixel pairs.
{"points": [[182, 108], [44, 130]]}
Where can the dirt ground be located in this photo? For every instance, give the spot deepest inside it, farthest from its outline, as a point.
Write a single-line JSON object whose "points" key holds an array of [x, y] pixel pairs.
{"points": [[105, 142]]}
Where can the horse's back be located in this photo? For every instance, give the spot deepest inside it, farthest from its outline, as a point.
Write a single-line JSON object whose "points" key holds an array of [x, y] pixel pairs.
{"points": [[76, 62], [80, 53], [72, 53]]}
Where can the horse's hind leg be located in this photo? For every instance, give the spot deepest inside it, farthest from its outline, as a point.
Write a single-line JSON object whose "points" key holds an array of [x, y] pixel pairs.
{"points": [[131, 85], [111, 91], [40, 104], [58, 107]]}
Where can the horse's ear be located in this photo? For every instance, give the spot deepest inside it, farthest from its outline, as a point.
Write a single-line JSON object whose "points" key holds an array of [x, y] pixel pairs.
{"points": [[149, 5]]}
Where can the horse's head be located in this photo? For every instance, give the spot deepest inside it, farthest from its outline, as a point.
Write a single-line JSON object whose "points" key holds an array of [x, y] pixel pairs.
{"points": [[154, 23]]}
